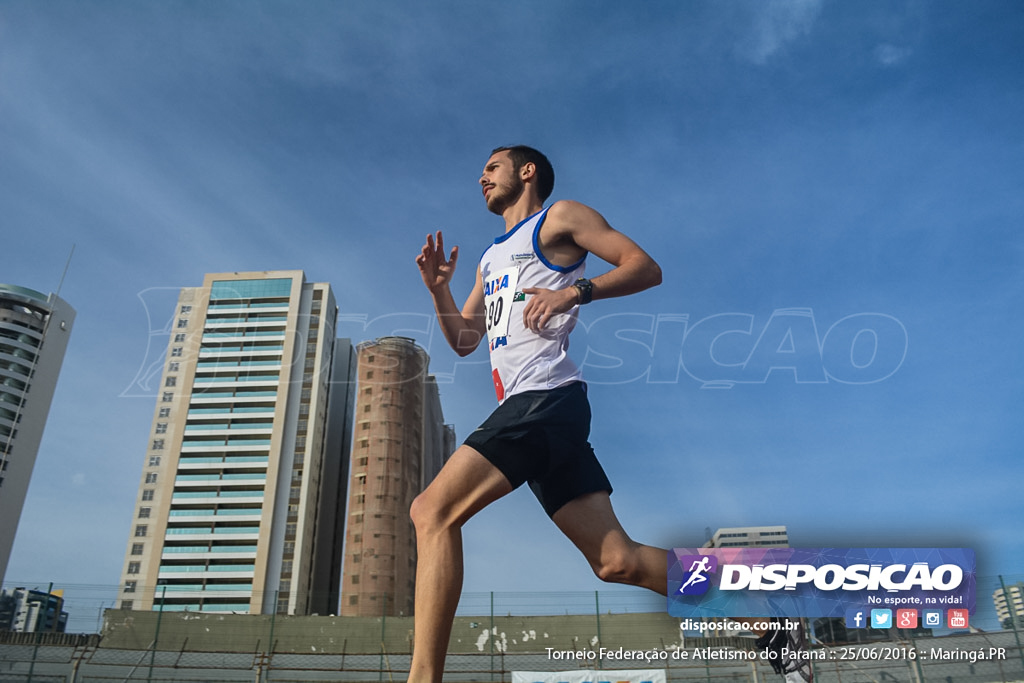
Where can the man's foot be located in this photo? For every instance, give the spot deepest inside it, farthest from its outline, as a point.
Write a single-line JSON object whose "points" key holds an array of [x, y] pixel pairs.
{"points": [[788, 650]]}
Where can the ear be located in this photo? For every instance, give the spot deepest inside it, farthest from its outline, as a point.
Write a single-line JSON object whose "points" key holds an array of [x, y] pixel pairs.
{"points": [[528, 170]]}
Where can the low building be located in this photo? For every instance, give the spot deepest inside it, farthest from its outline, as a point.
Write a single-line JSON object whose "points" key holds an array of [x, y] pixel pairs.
{"points": [[29, 611]]}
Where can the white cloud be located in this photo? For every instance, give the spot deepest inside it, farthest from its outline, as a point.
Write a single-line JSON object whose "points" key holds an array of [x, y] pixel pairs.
{"points": [[891, 55], [777, 23]]}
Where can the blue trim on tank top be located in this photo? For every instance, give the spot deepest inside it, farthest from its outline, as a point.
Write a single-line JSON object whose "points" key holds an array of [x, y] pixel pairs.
{"points": [[549, 264], [501, 238]]}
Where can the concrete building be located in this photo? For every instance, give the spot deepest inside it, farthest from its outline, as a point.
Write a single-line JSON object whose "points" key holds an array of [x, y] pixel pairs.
{"points": [[400, 444], [749, 537], [1009, 602], [34, 332], [32, 611], [243, 479]]}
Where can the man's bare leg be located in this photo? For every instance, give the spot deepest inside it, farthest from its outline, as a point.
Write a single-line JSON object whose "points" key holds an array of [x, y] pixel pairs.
{"points": [[466, 484], [591, 524]]}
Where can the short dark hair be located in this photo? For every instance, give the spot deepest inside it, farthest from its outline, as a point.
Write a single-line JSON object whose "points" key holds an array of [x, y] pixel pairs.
{"points": [[520, 155]]}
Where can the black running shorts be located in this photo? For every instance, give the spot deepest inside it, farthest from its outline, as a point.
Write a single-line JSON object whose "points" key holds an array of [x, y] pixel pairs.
{"points": [[540, 437]]}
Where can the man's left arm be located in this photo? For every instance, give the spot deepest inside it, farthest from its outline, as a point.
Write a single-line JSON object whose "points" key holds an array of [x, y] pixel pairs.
{"points": [[577, 225]]}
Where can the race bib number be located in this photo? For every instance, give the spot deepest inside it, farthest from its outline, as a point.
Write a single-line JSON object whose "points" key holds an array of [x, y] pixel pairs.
{"points": [[499, 290]]}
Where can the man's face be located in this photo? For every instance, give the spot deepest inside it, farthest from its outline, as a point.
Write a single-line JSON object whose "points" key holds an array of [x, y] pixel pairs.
{"points": [[500, 182]]}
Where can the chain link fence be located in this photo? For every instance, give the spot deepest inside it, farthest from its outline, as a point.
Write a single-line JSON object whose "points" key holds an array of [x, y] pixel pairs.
{"points": [[51, 658]]}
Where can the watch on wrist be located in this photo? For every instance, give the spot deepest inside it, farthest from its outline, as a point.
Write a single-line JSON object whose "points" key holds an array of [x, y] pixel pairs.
{"points": [[585, 289]]}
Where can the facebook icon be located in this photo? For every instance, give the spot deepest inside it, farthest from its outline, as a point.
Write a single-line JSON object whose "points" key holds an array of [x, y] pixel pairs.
{"points": [[856, 618]]}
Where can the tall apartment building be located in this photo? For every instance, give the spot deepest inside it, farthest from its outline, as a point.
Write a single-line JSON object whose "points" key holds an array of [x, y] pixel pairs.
{"points": [[34, 332], [749, 537], [400, 444], [243, 481]]}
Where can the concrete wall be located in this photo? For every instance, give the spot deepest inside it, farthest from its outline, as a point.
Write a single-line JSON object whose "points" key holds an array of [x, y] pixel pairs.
{"points": [[336, 635]]}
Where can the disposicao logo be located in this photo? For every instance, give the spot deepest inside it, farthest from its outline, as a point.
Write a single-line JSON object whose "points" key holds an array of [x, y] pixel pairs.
{"points": [[816, 582]]}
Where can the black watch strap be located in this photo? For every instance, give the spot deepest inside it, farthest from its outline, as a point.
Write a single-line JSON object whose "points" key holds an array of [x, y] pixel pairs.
{"points": [[586, 290]]}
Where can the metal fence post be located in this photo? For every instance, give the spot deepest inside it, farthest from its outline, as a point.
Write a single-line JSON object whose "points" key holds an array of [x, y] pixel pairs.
{"points": [[597, 613], [156, 634], [1013, 619], [383, 623], [39, 636], [269, 658], [490, 638]]}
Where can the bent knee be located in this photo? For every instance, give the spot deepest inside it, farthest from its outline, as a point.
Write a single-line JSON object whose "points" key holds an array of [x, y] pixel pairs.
{"points": [[428, 515], [422, 512], [620, 568]]}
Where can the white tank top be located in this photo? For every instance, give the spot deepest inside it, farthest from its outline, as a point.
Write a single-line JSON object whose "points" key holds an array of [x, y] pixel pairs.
{"points": [[522, 360]]}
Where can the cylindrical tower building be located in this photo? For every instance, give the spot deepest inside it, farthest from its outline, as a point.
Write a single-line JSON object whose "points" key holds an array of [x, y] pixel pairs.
{"points": [[396, 452], [34, 332]]}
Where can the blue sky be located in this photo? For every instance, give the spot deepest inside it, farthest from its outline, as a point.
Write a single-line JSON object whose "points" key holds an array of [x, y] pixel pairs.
{"points": [[833, 190]]}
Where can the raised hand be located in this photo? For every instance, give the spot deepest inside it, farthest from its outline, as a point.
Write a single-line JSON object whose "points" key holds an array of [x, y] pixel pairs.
{"points": [[436, 270]]}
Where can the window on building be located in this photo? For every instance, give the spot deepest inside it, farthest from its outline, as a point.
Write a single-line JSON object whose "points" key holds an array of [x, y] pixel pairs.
{"points": [[185, 310], [147, 494], [133, 567], [154, 461], [176, 352], [179, 338], [151, 476], [182, 323], [144, 513], [127, 604], [171, 382], [167, 397], [137, 548], [353, 599], [161, 428], [158, 444], [164, 412], [141, 530], [173, 367], [129, 586], [355, 579]]}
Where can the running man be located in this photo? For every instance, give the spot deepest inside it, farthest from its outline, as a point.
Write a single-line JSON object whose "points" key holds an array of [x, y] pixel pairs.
{"points": [[529, 287]]}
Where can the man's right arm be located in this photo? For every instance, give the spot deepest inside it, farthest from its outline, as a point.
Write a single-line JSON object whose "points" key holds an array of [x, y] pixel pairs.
{"points": [[462, 329]]}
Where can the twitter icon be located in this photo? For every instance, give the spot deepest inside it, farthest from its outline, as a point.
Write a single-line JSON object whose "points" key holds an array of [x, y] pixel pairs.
{"points": [[881, 618]]}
